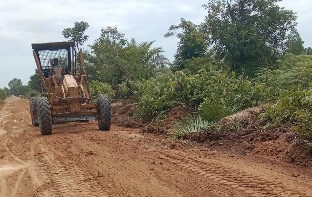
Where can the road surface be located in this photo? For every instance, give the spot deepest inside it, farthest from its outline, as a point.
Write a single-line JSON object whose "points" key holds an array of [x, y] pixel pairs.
{"points": [[79, 160]]}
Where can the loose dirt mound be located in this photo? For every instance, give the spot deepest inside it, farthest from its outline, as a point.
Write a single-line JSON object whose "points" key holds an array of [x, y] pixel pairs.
{"points": [[123, 114], [247, 115], [244, 133], [241, 132], [163, 127]]}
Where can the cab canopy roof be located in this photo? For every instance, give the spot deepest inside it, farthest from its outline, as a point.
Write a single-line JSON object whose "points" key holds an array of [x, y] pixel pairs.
{"points": [[52, 46]]}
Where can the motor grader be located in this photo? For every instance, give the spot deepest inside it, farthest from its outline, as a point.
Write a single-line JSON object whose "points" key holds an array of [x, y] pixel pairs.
{"points": [[64, 91]]}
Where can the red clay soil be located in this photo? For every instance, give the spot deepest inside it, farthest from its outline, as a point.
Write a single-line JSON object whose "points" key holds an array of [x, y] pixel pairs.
{"points": [[79, 160], [244, 134]]}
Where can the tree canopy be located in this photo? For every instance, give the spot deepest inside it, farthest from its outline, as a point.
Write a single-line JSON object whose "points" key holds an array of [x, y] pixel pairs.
{"points": [[191, 45], [247, 34], [16, 87], [77, 33], [114, 59], [34, 82]]}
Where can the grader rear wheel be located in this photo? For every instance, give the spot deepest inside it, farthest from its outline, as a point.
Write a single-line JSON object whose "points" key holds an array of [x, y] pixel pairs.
{"points": [[105, 113], [33, 107], [44, 115]]}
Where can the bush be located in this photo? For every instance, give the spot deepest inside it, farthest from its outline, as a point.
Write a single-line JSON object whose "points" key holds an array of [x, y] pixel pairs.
{"points": [[294, 108], [189, 125], [97, 88], [2, 95], [292, 73], [215, 92], [156, 96], [289, 90], [128, 89], [33, 93]]}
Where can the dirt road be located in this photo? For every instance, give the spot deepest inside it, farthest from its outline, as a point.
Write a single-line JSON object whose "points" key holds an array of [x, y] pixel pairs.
{"points": [[80, 160]]}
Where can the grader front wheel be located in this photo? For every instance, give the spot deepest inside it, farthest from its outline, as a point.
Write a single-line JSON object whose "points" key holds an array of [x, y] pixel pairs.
{"points": [[44, 116], [105, 113]]}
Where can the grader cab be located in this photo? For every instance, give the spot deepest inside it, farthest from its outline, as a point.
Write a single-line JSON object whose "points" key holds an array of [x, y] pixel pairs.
{"points": [[64, 91]]}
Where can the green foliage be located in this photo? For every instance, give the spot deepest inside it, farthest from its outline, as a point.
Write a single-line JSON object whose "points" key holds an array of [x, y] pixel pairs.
{"points": [[97, 88], [17, 88], [191, 45], [189, 125], [294, 108], [294, 43], [247, 34], [308, 51], [127, 89], [34, 82], [2, 95], [157, 96], [213, 109], [114, 59], [76, 33], [289, 90], [215, 91], [33, 93], [293, 73]]}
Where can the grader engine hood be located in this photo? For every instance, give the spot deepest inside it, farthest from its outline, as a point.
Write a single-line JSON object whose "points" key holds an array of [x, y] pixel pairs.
{"points": [[71, 92], [70, 86]]}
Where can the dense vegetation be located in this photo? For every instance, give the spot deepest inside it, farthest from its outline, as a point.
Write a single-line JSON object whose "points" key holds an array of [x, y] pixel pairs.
{"points": [[2, 95], [245, 53]]}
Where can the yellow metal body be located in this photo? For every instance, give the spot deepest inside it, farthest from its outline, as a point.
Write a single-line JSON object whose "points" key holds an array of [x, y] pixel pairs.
{"points": [[68, 94]]}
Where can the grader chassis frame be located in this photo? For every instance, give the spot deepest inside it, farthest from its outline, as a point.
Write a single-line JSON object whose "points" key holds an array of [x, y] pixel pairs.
{"points": [[64, 91]]}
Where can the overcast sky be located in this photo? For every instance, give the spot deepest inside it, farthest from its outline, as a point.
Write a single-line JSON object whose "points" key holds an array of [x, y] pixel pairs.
{"points": [[23, 22]]}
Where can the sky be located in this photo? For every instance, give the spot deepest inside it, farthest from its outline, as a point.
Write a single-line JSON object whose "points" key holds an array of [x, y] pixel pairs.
{"points": [[23, 22]]}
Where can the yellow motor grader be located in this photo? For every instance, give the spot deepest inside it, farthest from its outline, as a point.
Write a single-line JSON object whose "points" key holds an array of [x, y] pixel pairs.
{"points": [[64, 91]]}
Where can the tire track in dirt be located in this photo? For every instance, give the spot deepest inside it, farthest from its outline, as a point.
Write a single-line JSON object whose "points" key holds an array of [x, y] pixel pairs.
{"points": [[18, 182], [15, 157], [3, 187], [238, 180], [65, 179], [13, 163], [16, 164]]}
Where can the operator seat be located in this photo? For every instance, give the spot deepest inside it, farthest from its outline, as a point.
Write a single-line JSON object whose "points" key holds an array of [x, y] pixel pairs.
{"points": [[58, 72]]}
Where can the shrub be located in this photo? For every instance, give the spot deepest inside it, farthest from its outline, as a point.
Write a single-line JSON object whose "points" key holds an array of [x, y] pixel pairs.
{"points": [[128, 89], [289, 90], [215, 92], [2, 95], [292, 73], [189, 125], [33, 93], [97, 88], [156, 96], [294, 108]]}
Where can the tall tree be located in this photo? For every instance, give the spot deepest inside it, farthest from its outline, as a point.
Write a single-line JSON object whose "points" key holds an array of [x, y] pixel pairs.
{"points": [[34, 82], [191, 43], [106, 56], [77, 33], [308, 51], [16, 87], [294, 43], [247, 34], [115, 59]]}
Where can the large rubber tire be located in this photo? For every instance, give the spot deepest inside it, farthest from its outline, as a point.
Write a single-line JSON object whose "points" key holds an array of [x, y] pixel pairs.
{"points": [[44, 115], [33, 108], [105, 113]]}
